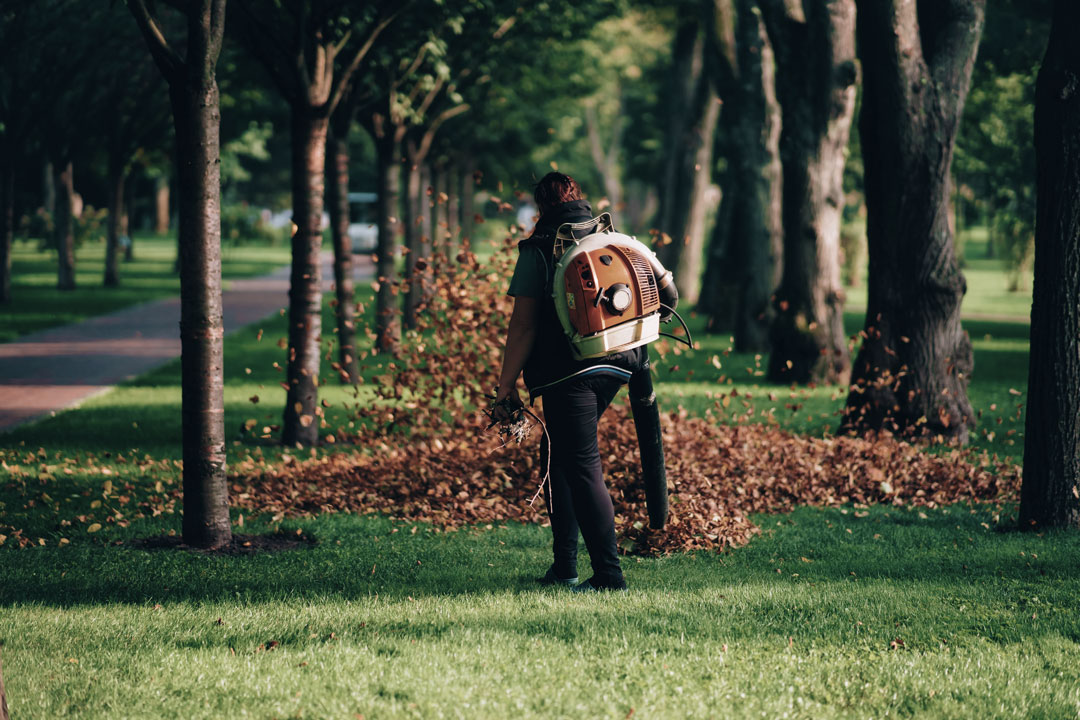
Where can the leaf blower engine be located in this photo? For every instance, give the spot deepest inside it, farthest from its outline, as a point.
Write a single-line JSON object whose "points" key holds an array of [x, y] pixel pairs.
{"points": [[610, 290]]}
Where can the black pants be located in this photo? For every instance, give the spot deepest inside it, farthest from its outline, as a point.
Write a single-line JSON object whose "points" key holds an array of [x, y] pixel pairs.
{"points": [[578, 498]]}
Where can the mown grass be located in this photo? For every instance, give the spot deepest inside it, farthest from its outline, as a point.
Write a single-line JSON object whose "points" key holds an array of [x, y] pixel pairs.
{"points": [[829, 613], [36, 303]]}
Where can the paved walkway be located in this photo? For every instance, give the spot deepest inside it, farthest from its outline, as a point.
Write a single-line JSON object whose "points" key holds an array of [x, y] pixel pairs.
{"points": [[58, 368]]}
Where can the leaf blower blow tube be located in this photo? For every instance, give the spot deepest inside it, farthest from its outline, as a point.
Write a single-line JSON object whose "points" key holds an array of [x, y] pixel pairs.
{"points": [[651, 443], [665, 285]]}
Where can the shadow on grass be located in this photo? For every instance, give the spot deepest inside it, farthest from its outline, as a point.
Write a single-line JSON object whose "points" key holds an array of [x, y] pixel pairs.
{"points": [[948, 550]]}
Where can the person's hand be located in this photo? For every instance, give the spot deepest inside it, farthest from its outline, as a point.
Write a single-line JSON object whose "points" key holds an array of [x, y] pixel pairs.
{"points": [[504, 410]]}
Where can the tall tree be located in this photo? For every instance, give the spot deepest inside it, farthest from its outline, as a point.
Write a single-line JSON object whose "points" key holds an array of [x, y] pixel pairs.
{"points": [[815, 83], [693, 113], [193, 93], [311, 49], [129, 111], [745, 252], [1050, 496], [911, 373], [337, 180]]}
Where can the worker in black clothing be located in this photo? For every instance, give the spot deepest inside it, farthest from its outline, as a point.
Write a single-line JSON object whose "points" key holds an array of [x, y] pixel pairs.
{"points": [[575, 394]]}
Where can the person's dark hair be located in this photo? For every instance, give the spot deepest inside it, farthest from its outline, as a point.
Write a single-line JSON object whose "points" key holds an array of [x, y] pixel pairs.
{"points": [[555, 189]]}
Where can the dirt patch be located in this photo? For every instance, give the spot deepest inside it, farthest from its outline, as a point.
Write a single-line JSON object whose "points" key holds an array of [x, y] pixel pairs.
{"points": [[240, 545]]}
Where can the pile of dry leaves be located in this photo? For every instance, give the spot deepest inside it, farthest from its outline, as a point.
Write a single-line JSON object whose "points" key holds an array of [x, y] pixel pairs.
{"points": [[717, 475]]}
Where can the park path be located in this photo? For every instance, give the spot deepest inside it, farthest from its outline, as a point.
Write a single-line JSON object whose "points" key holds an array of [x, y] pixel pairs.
{"points": [[54, 369]]}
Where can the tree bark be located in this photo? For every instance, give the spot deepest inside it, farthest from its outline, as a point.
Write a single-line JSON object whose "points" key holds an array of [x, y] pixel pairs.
{"points": [[911, 373], [206, 495], [815, 84], [1050, 495], [688, 173], [161, 205], [301, 421], [193, 93], [338, 203], [65, 228], [7, 227], [415, 256], [745, 253], [118, 176], [388, 151]]}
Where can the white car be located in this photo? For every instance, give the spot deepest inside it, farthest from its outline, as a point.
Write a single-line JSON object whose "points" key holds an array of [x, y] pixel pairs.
{"points": [[363, 227]]}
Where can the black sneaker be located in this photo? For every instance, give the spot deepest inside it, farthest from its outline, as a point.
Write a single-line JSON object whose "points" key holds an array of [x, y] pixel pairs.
{"points": [[550, 578]]}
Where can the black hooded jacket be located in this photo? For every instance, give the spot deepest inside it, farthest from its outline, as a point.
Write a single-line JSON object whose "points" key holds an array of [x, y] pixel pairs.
{"points": [[552, 360]]}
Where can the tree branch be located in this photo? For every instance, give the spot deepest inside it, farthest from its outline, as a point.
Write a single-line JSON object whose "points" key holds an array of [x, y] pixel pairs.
{"points": [[217, 29], [342, 79], [429, 135], [950, 37], [166, 58]]}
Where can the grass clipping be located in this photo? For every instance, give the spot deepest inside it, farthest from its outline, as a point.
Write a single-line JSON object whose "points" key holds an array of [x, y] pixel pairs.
{"points": [[428, 459]]}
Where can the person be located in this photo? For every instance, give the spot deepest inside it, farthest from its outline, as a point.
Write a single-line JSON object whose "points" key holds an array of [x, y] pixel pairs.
{"points": [[574, 394]]}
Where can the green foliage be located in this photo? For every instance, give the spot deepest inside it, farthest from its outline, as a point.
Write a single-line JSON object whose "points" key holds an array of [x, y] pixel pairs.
{"points": [[250, 145], [994, 165]]}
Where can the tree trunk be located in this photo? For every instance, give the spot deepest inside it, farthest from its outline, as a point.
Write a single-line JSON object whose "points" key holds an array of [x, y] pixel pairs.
{"points": [[439, 222], [49, 189], [161, 205], [193, 94], [745, 252], [115, 226], [912, 370], [338, 186], [7, 227], [687, 175], [815, 84], [415, 260], [206, 493], [468, 194], [389, 181], [606, 155], [301, 422], [65, 229], [1050, 496]]}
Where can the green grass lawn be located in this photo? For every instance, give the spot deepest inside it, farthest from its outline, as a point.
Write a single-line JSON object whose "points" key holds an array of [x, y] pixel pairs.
{"points": [[36, 303]]}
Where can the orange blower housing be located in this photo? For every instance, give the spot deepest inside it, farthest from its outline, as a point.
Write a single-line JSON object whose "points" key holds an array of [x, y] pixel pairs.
{"points": [[607, 286]]}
